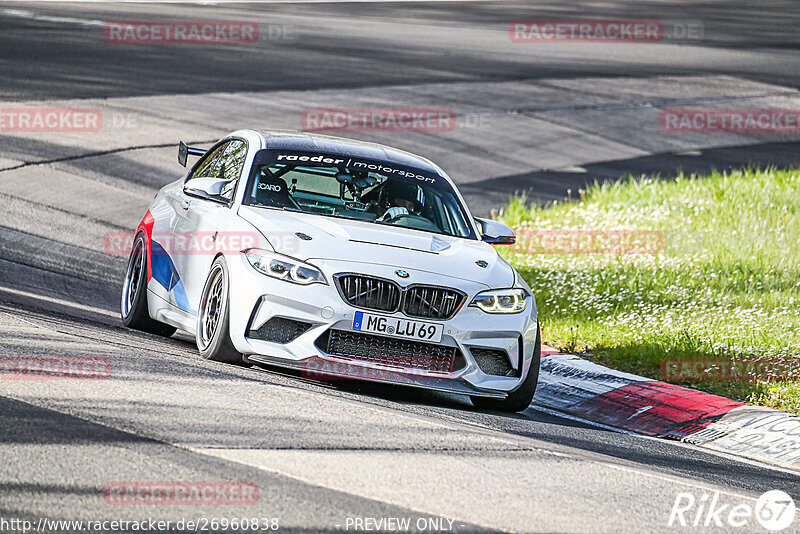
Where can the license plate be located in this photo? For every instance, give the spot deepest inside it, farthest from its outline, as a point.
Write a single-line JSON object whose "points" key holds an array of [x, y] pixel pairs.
{"points": [[396, 327]]}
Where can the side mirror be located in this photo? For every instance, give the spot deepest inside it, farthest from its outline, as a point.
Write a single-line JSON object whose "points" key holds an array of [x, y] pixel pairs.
{"points": [[208, 188], [496, 233], [185, 151]]}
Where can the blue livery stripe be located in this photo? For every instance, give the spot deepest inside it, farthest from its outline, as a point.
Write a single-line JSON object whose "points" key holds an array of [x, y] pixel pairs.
{"points": [[181, 299], [161, 266], [166, 274]]}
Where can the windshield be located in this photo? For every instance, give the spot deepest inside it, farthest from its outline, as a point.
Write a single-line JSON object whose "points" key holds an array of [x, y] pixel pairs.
{"points": [[356, 188]]}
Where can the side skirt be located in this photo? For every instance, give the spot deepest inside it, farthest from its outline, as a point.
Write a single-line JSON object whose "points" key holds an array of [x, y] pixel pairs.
{"points": [[164, 312]]}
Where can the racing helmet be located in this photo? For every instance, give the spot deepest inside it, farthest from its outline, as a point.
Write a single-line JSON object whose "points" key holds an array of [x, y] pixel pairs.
{"points": [[400, 190]]}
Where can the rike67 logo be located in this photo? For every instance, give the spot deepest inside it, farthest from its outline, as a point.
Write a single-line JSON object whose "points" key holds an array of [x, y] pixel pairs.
{"points": [[775, 511]]}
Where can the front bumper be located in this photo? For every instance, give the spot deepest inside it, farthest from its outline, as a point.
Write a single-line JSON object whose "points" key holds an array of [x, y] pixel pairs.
{"points": [[256, 298]]}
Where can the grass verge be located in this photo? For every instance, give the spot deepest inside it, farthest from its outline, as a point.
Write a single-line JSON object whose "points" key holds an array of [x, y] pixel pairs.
{"points": [[725, 287]]}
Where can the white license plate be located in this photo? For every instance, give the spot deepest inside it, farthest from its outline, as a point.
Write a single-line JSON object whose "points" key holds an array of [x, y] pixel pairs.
{"points": [[396, 327]]}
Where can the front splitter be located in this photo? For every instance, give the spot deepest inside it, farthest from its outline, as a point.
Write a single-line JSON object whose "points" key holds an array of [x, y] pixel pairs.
{"points": [[319, 368]]}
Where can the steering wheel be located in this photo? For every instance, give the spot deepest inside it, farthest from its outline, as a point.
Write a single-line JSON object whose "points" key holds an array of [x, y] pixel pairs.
{"points": [[401, 212]]}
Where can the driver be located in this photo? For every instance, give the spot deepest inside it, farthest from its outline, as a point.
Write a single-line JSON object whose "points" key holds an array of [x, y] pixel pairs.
{"points": [[401, 199]]}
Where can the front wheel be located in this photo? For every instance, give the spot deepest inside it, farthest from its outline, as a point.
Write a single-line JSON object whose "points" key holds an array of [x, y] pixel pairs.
{"points": [[133, 309], [520, 398], [213, 317]]}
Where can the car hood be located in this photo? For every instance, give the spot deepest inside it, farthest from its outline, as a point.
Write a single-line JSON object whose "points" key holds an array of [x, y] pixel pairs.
{"points": [[364, 242]]}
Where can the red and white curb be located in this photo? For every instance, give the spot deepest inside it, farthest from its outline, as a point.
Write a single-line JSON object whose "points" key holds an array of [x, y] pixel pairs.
{"points": [[590, 391]]}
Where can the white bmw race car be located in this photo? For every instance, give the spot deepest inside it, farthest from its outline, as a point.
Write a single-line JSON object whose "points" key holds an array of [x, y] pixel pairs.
{"points": [[339, 258]]}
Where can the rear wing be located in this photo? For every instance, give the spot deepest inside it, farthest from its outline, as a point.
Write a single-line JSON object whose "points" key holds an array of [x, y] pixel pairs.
{"points": [[186, 151]]}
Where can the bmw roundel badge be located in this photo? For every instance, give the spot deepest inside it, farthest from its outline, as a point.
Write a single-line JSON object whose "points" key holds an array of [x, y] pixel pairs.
{"points": [[401, 273]]}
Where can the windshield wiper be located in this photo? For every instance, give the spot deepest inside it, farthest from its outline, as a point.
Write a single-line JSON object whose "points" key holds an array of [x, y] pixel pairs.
{"points": [[284, 208]]}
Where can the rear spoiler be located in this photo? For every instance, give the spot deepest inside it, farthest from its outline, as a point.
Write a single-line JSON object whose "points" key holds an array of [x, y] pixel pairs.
{"points": [[186, 151]]}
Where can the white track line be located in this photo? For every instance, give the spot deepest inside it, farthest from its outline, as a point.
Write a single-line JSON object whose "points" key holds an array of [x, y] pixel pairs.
{"points": [[24, 14], [728, 456]]}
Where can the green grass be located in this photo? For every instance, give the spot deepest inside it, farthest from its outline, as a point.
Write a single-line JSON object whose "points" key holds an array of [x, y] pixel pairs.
{"points": [[725, 285]]}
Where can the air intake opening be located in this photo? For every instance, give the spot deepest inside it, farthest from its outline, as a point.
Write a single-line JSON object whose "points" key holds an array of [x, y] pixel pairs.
{"points": [[279, 330], [389, 351], [493, 361]]}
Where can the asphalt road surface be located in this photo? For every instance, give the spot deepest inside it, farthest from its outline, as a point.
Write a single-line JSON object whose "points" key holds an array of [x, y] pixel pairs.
{"points": [[536, 118]]}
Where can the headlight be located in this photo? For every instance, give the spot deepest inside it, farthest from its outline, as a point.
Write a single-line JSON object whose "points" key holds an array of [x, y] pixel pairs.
{"points": [[284, 267], [501, 300]]}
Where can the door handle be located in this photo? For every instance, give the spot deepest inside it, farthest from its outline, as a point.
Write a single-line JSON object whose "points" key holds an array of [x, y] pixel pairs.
{"points": [[185, 204]]}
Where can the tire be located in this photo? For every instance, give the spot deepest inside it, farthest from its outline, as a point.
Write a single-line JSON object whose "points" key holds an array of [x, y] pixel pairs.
{"points": [[133, 307], [520, 398], [213, 317]]}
